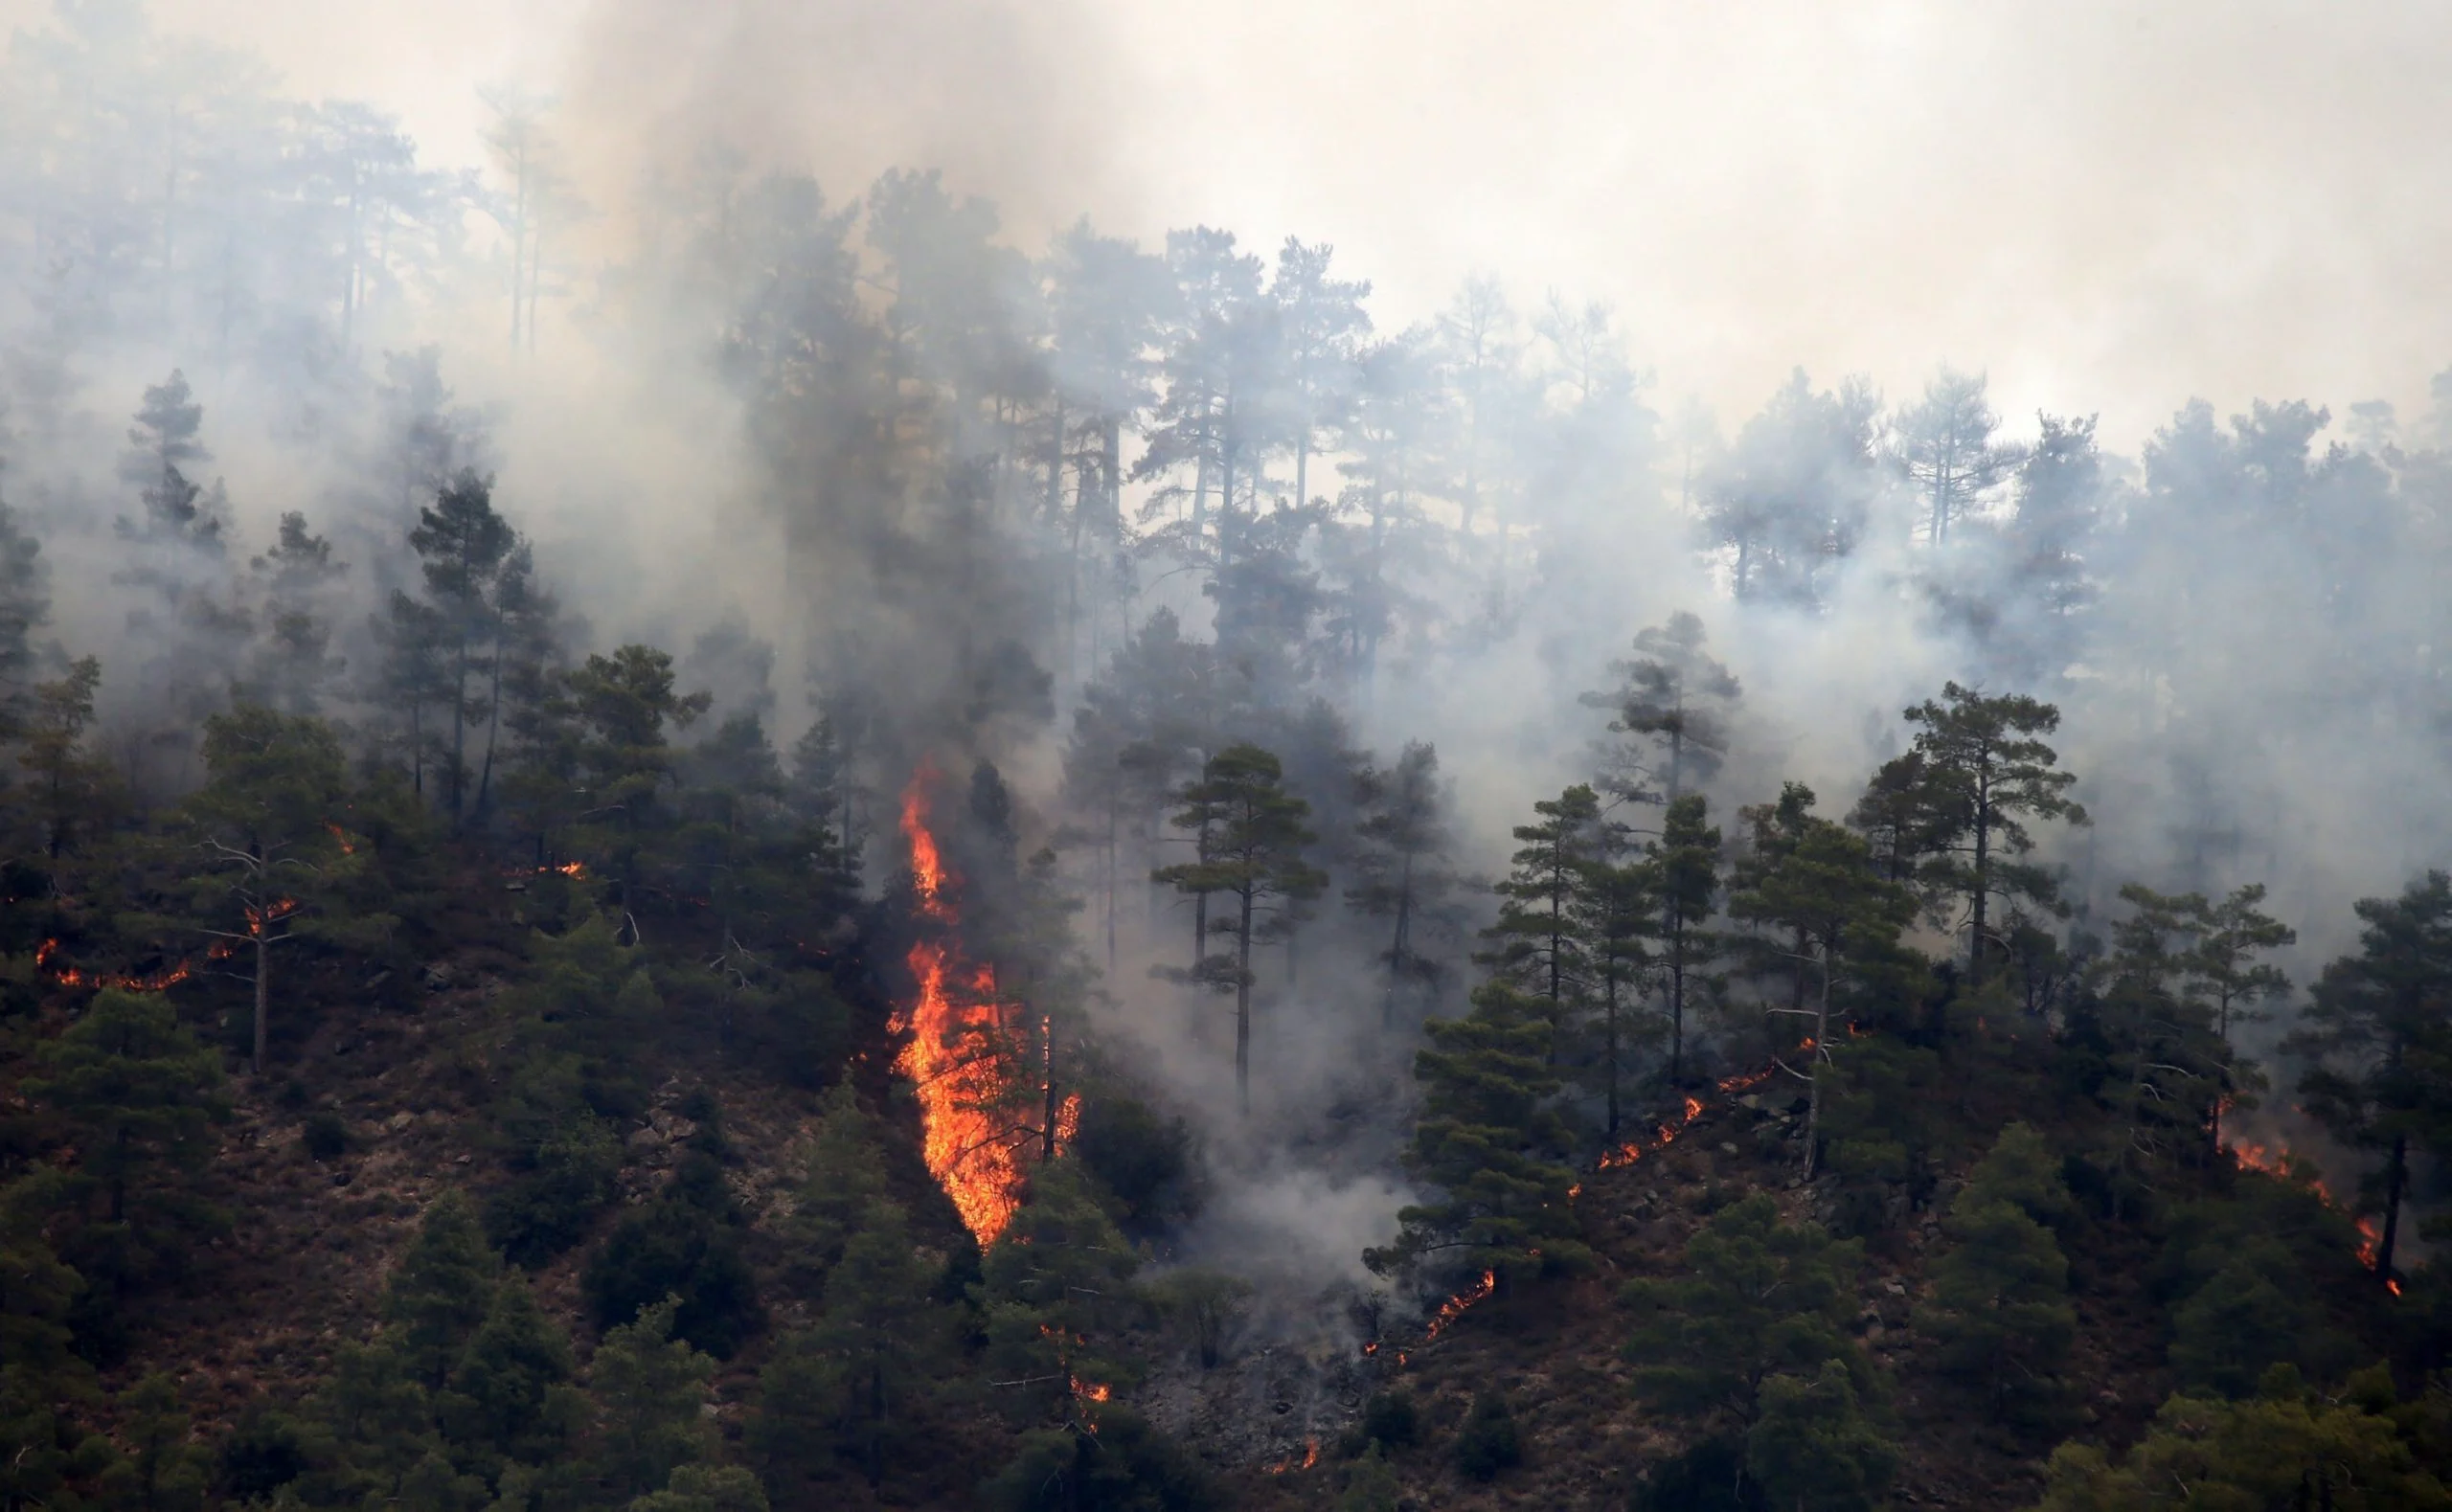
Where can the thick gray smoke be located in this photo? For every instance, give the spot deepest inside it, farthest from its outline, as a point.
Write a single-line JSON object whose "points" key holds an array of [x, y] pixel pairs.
{"points": [[776, 324]]}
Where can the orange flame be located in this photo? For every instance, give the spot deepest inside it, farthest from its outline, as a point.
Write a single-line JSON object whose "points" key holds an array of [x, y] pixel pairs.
{"points": [[2283, 1164], [1628, 1153], [152, 982], [954, 1055], [1454, 1307]]}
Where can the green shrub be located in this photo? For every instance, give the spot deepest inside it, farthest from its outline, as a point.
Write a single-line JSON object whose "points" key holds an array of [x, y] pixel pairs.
{"points": [[1488, 1443], [1389, 1418], [324, 1137]]}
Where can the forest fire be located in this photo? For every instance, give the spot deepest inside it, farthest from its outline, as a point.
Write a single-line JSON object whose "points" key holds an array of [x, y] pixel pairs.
{"points": [[1455, 1306], [1628, 1153], [955, 1055], [162, 981], [2278, 1160], [1310, 1457]]}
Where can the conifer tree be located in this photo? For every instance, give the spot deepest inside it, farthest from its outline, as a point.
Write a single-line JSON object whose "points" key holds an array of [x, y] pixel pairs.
{"points": [[2000, 1299], [1759, 1297], [2226, 973], [1674, 704], [648, 1387], [162, 1471], [293, 665], [1945, 445], [69, 787], [138, 1097], [2170, 1066], [1401, 866], [2368, 1037], [1054, 1289], [1253, 853], [1492, 1146], [1992, 773], [1537, 943], [883, 1332], [440, 1292], [1618, 909], [1686, 866], [25, 606], [511, 1401], [269, 825], [462, 544], [1820, 892], [1814, 1449]]}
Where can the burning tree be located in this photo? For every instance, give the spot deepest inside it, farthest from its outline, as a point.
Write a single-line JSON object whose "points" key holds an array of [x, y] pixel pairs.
{"points": [[2374, 1035], [268, 826], [970, 1054]]}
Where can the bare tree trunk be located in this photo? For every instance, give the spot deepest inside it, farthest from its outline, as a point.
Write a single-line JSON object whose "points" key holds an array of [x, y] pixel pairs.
{"points": [[263, 997], [1821, 1056], [1243, 1011]]}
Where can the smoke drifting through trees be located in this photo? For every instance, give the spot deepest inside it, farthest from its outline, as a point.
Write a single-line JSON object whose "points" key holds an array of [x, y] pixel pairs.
{"points": [[1104, 517]]}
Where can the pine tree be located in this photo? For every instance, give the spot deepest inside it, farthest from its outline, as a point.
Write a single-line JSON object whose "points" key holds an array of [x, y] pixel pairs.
{"points": [[2368, 1036], [1537, 943], [884, 1333], [1253, 853], [162, 1471], [1673, 703], [701, 1488], [297, 577], [25, 607], [2169, 1066], [1759, 1297], [2230, 934], [1492, 1146], [2000, 1297], [1819, 890], [2287, 1449], [70, 789], [462, 545], [1992, 773], [1904, 818], [1686, 865], [1403, 873], [138, 1097], [1813, 1450], [1323, 324], [439, 1293], [648, 1387], [1054, 1289], [1946, 447], [511, 1401], [1618, 909], [269, 822], [841, 1180]]}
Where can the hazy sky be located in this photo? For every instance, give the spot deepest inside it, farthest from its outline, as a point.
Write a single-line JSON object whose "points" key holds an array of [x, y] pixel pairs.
{"points": [[2107, 206]]}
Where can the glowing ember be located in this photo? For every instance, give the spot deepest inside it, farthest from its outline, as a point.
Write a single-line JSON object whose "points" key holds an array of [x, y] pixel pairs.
{"points": [[1068, 1120]]}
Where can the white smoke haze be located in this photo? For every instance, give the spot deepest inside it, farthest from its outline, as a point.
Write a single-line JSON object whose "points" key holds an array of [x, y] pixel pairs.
{"points": [[2106, 209]]}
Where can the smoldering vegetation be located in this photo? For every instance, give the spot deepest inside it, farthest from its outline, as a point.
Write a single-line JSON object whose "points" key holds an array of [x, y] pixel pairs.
{"points": [[1149, 552]]}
